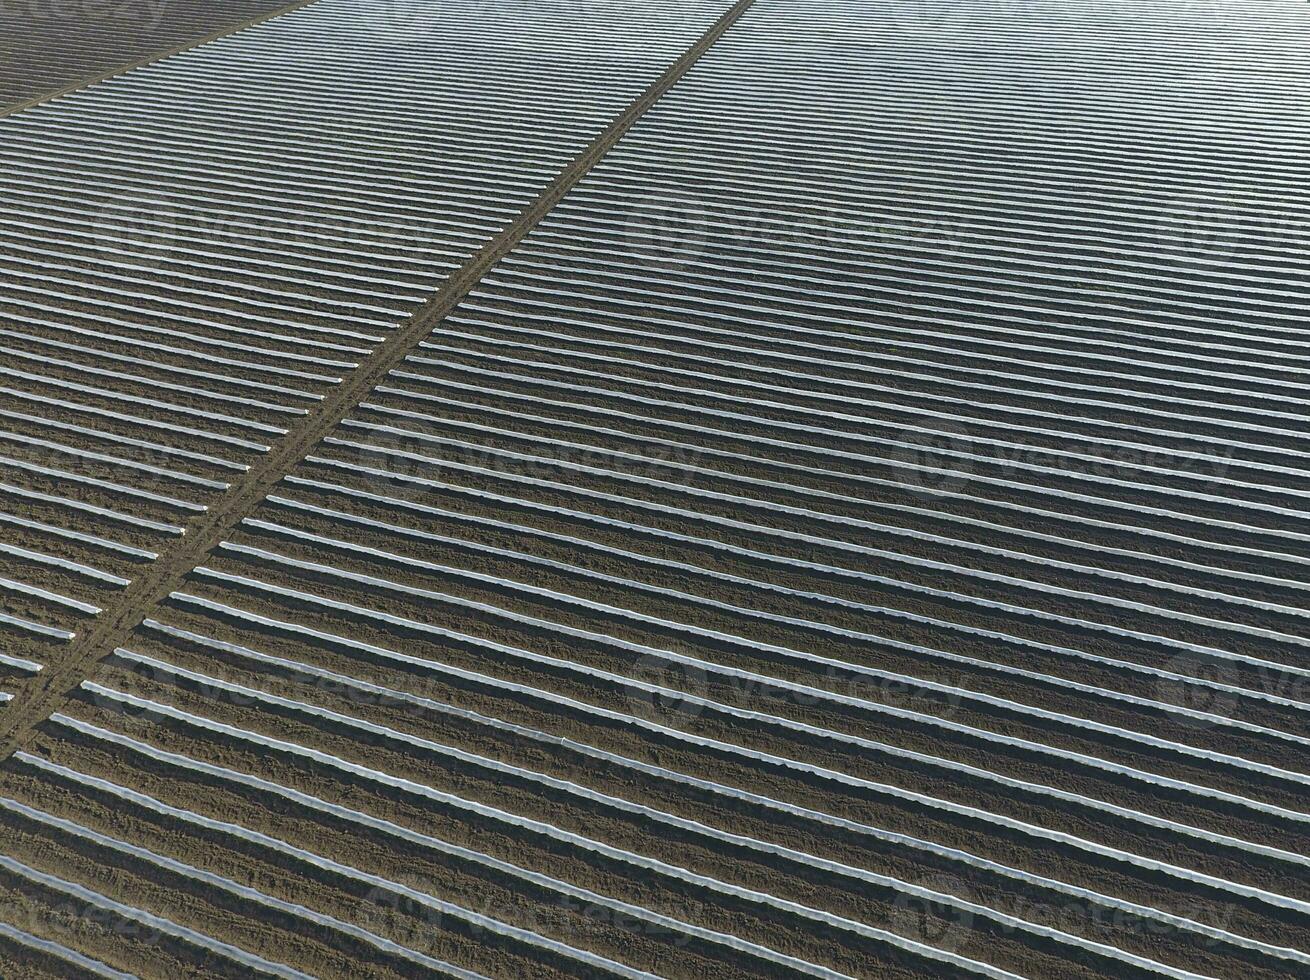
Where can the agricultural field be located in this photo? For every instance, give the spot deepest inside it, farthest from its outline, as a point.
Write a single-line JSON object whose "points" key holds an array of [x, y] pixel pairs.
{"points": [[788, 489]]}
